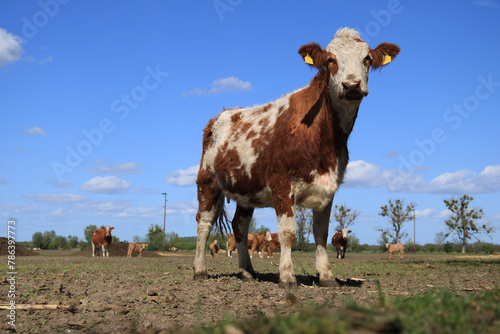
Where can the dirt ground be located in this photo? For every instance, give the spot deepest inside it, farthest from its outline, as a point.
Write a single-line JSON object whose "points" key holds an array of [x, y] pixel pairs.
{"points": [[158, 294]]}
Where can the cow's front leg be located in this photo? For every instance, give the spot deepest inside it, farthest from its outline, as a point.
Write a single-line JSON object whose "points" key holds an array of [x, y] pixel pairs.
{"points": [[320, 230], [287, 232], [240, 224]]}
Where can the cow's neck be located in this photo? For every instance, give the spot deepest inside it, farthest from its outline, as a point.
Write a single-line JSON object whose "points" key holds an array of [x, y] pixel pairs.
{"points": [[346, 112]]}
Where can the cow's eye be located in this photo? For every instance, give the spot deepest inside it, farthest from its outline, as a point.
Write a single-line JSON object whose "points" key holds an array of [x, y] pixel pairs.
{"points": [[330, 61], [367, 60]]}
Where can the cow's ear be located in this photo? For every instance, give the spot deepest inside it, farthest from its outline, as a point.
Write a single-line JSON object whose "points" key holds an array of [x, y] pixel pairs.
{"points": [[383, 54], [313, 55]]}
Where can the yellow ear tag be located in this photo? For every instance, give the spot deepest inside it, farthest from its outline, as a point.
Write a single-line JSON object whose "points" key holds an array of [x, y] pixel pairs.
{"points": [[308, 59], [387, 59]]}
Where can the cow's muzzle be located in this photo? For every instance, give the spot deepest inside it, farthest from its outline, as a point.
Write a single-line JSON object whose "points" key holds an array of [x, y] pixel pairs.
{"points": [[352, 90]]}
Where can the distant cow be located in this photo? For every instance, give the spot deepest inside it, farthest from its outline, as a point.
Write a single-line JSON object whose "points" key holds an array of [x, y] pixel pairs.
{"points": [[102, 237], [292, 151], [255, 242], [395, 248], [339, 241], [271, 245], [136, 247], [214, 248], [172, 249]]}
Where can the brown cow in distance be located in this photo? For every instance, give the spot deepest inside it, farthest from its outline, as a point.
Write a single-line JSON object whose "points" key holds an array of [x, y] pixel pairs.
{"points": [[271, 245], [255, 241], [339, 241], [292, 151], [172, 249], [135, 247], [214, 248], [395, 248], [102, 237]]}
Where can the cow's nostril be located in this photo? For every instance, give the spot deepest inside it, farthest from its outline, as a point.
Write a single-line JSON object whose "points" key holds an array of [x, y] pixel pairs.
{"points": [[351, 84]]}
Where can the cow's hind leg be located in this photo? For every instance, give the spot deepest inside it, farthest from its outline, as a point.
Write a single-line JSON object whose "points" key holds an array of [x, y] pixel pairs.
{"points": [[320, 230], [211, 204], [240, 224]]}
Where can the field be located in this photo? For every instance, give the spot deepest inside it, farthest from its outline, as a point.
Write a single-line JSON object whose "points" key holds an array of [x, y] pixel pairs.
{"points": [[154, 294]]}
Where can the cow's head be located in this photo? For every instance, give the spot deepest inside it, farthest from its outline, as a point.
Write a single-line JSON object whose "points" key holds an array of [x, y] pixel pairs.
{"points": [[344, 233], [268, 236], [347, 60], [107, 230]]}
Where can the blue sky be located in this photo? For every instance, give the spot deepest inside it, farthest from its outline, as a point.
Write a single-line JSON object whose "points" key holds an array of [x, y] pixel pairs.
{"points": [[103, 105]]}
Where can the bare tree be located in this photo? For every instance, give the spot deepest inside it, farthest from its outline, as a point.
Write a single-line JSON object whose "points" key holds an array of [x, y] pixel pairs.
{"points": [[304, 219], [398, 214], [462, 220], [439, 238], [344, 216]]}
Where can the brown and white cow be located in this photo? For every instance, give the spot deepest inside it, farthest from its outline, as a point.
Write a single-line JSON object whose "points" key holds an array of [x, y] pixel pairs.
{"points": [[102, 237], [135, 247], [271, 245], [172, 249], [292, 151], [214, 248], [255, 241], [393, 248], [339, 241]]}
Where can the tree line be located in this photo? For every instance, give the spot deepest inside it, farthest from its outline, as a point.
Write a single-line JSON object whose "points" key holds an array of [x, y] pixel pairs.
{"points": [[463, 225]]}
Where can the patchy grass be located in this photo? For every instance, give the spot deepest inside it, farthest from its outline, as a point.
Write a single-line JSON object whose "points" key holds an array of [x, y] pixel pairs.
{"points": [[437, 311]]}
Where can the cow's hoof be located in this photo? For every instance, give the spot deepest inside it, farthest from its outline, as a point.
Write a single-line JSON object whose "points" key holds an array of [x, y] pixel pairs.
{"points": [[329, 283], [200, 277], [288, 285], [246, 276]]}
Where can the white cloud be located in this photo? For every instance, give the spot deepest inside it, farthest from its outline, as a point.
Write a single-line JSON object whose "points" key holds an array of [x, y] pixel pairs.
{"points": [[427, 213], [183, 177], [58, 198], [106, 185], [141, 212], [45, 60], [392, 153], [362, 174], [10, 47], [183, 208], [57, 184], [232, 84], [36, 131], [118, 168]]}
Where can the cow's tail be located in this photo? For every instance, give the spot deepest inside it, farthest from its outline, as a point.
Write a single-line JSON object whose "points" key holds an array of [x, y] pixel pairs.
{"points": [[221, 220]]}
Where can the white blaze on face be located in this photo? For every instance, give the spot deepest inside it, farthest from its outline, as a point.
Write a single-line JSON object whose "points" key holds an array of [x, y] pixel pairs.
{"points": [[344, 233], [350, 55]]}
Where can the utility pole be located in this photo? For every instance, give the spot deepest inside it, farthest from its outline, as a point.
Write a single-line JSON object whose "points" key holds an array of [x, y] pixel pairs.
{"points": [[164, 220], [414, 229]]}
